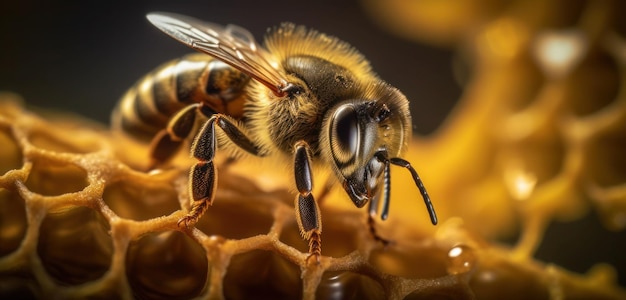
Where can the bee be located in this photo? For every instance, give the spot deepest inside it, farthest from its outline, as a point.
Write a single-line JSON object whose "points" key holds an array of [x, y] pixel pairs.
{"points": [[305, 97]]}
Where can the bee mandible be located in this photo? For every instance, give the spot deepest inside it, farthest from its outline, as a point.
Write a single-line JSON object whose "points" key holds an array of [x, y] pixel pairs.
{"points": [[306, 97]]}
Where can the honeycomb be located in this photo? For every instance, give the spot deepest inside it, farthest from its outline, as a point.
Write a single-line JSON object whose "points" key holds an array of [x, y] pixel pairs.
{"points": [[535, 137]]}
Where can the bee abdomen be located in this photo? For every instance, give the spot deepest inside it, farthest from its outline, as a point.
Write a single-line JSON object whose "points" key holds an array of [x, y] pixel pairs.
{"points": [[146, 107]]}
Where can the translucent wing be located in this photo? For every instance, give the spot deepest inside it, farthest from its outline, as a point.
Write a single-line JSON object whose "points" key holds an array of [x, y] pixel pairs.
{"points": [[231, 44]]}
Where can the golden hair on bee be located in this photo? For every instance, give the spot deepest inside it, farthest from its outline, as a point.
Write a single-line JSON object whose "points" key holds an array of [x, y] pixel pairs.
{"points": [[289, 40]]}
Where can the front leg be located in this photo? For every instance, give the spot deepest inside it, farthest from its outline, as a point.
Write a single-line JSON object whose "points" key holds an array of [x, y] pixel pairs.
{"points": [[371, 222], [385, 196], [203, 176], [307, 211]]}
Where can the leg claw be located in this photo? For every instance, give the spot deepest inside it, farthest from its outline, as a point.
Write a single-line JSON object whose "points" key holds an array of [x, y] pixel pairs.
{"points": [[187, 222], [314, 256], [386, 243]]}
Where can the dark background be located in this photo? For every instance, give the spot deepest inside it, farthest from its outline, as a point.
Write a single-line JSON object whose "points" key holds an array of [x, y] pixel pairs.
{"points": [[81, 56]]}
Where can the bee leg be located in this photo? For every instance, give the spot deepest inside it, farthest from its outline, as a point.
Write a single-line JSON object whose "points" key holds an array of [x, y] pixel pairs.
{"points": [[373, 209], [371, 223], [236, 135], [203, 176], [307, 211], [167, 142], [203, 183]]}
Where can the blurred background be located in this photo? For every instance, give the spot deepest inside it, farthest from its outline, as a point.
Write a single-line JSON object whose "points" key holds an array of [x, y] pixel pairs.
{"points": [[81, 57]]}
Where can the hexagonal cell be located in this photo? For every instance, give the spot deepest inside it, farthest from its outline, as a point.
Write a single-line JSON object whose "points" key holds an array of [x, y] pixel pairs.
{"points": [[349, 285], [524, 91], [569, 17], [12, 221], [141, 202], [290, 235], [75, 246], [262, 274], [541, 158], [594, 84], [606, 161], [339, 233], [252, 214], [11, 154], [166, 265], [51, 178]]}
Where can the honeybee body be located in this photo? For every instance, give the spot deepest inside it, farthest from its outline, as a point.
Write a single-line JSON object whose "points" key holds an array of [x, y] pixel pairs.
{"points": [[304, 96], [147, 107]]}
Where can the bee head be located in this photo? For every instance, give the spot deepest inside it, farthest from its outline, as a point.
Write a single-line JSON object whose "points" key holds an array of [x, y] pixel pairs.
{"points": [[360, 135]]}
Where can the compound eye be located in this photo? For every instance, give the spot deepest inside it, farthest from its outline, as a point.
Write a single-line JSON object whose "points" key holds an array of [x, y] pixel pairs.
{"points": [[344, 134]]}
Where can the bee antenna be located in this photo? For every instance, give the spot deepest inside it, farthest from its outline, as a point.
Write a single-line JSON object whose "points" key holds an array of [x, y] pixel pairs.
{"points": [[420, 185]]}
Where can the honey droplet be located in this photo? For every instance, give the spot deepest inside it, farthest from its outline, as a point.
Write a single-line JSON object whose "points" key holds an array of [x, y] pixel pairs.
{"points": [[461, 259]]}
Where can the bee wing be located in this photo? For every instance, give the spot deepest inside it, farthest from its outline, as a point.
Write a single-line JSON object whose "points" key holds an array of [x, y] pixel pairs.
{"points": [[232, 44]]}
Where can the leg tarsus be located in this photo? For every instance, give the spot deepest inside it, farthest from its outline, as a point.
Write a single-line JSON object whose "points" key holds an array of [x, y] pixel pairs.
{"points": [[202, 186], [372, 226], [315, 246], [197, 210]]}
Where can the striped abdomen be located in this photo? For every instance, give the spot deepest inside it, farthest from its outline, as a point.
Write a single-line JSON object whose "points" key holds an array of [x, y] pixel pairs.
{"points": [[146, 108]]}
